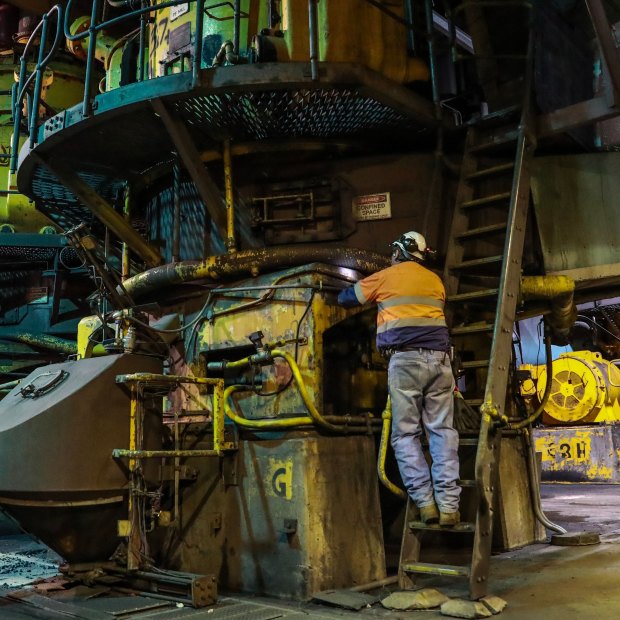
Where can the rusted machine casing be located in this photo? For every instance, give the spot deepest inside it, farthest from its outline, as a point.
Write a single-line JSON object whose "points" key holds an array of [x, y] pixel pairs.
{"points": [[59, 479], [277, 518], [293, 514], [580, 453], [336, 358]]}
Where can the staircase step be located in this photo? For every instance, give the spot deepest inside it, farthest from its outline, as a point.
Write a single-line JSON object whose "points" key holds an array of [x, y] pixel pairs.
{"points": [[478, 262], [446, 570], [475, 364], [498, 116], [435, 527], [483, 230], [472, 329], [486, 201], [470, 484], [473, 295], [492, 171], [496, 142], [474, 402], [468, 441]]}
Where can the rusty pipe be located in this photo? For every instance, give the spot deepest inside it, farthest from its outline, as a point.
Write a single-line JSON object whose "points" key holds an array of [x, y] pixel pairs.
{"points": [[251, 263]]}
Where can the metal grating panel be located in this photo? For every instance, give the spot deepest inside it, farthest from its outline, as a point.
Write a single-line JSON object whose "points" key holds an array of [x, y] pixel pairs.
{"points": [[46, 186], [321, 113]]}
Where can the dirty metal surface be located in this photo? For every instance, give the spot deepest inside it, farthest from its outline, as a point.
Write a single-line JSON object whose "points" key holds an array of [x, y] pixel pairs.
{"points": [[579, 453]]}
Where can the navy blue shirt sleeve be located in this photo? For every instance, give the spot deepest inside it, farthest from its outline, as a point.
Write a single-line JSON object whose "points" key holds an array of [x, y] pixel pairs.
{"points": [[348, 298]]}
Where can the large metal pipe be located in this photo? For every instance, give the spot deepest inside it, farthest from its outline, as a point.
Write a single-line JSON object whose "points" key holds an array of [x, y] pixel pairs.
{"points": [[252, 262], [559, 291]]}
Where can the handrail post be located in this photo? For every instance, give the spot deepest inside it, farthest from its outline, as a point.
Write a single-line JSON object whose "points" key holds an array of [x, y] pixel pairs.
{"points": [[90, 58], [34, 112], [313, 26], [17, 119], [197, 60], [142, 43]]}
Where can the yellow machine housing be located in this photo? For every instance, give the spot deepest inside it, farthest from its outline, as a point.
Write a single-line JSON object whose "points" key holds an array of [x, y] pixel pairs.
{"points": [[585, 389]]}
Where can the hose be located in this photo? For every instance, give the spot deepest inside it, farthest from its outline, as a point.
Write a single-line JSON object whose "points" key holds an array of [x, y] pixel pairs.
{"points": [[543, 403], [385, 436], [535, 487], [315, 418]]}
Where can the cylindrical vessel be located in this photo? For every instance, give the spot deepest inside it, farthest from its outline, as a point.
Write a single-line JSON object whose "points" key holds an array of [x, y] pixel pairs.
{"points": [[347, 30]]}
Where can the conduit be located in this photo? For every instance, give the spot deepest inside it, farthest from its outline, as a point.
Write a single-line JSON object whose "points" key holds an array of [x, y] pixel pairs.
{"points": [[385, 437]]}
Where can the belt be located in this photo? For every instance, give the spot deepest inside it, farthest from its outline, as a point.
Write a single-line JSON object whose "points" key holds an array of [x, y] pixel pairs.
{"points": [[391, 350], [411, 348]]}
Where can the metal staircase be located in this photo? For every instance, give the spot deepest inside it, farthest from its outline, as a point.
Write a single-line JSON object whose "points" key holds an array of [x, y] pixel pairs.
{"points": [[482, 278]]}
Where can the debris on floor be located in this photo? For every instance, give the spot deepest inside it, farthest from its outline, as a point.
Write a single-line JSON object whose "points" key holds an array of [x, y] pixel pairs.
{"points": [[347, 599], [458, 608], [426, 598], [484, 608], [576, 539]]}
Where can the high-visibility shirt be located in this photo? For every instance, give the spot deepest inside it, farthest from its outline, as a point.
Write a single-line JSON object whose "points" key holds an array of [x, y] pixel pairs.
{"points": [[410, 301]]}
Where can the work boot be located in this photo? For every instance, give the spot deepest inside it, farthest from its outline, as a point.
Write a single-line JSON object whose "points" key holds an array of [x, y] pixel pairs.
{"points": [[429, 514], [449, 519]]}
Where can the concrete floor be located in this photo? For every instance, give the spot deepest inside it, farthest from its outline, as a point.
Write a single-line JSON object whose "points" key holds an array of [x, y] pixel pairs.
{"points": [[540, 582]]}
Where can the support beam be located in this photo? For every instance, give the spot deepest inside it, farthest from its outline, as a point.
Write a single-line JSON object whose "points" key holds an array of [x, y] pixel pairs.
{"points": [[573, 116], [606, 40], [182, 140], [102, 210]]}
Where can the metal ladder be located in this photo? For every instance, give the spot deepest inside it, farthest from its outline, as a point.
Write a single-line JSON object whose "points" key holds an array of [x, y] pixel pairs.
{"points": [[482, 279]]}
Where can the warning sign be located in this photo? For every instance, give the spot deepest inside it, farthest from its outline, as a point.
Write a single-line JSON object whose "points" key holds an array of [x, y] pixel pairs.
{"points": [[372, 207], [178, 10]]}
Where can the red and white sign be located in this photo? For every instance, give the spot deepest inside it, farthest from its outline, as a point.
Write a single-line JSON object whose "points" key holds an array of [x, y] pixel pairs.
{"points": [[372, 207]]}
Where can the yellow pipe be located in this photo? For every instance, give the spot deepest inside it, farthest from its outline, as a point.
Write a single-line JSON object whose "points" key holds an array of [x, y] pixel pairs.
{"points": [[132, 559], [546, 287], [315, 419], [303, 391], [259, 424], [559, 291], [230, 203], [385, 436]]}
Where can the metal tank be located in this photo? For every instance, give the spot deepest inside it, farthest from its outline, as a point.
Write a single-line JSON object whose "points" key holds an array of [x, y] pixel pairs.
{"points": [[58, 429]]}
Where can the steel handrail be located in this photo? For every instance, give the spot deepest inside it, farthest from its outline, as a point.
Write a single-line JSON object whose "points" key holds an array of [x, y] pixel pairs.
{"points": [[23, 83]]}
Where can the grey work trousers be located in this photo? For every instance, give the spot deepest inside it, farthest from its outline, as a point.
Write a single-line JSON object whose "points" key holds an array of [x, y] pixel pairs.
{"points": [[421, 387]]}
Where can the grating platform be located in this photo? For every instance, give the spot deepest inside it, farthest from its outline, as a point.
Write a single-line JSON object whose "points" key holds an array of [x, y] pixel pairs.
{"points": [[260, 107]]}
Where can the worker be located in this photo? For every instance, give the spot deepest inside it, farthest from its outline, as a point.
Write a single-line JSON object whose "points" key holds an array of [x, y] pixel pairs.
{"points": [[412, 333]]}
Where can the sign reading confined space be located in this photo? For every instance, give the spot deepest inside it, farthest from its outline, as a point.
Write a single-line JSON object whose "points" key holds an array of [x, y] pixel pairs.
{"points": [[372, 207], [178, 10]]}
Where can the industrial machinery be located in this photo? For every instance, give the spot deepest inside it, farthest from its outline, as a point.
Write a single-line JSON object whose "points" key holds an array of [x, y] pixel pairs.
{"points": [[221, 414]]}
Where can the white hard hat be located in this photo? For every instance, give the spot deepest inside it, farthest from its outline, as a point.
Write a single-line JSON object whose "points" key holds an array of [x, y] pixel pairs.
{"points": [[412, 245]]}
